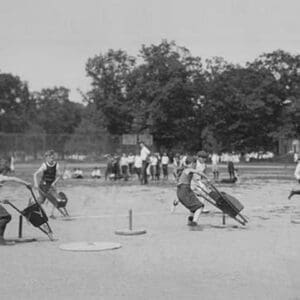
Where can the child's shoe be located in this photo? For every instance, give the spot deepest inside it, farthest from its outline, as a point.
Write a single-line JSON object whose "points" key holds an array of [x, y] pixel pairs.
{"points": [[191, 222]]}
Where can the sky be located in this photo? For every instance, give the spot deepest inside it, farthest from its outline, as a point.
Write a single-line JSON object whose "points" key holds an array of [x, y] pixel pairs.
{"points": [[47, 43]]}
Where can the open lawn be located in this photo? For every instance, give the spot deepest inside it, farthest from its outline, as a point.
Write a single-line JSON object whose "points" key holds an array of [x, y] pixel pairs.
{"points": [[171, 261]]}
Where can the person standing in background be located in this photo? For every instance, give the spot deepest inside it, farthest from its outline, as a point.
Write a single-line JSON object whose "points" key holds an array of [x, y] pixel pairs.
{"points": [[201, 162], [145, 152], [230, 168], [297, 176], [138, 165], [215, 158], [201, 167], [165, 163], [109, 166], [153, 166], [124, 166], [130, 159]]}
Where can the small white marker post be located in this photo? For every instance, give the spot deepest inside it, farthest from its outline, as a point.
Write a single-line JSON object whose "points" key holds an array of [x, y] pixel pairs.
{"points": [[130, 230]]}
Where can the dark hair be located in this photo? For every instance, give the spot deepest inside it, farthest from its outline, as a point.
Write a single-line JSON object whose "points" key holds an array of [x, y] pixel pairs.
{"points": [[49, 152], [189, 160]]}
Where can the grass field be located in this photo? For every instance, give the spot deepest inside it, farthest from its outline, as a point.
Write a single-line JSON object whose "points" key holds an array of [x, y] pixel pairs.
{"points": [[259, 261]]}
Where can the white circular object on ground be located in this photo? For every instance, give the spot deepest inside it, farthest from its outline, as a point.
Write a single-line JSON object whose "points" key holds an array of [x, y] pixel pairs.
{"points": [[130, 232], [90, 246]]}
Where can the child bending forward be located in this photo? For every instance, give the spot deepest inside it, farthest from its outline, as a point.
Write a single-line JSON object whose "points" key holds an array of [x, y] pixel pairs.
{"points": [[50, 175], [185, 194]]}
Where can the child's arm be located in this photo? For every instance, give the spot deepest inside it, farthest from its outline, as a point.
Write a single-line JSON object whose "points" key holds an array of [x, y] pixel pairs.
{"points": [[13, 179], [297, 171], [199, 173], [39, 171], [58, 175]]}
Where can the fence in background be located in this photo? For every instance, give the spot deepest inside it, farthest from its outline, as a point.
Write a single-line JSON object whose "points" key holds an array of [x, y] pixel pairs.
{"points": [[26, 147]]}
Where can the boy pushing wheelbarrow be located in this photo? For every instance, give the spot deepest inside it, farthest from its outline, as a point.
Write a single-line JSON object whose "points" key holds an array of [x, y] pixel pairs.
{"points": [[50, 175]]}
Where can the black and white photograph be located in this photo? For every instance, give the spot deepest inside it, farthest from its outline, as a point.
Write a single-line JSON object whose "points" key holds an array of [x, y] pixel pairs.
{"points": [[149, 150]]}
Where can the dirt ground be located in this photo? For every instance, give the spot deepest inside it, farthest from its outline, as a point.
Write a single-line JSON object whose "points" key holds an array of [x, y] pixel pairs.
{"points": [[170, 261]]}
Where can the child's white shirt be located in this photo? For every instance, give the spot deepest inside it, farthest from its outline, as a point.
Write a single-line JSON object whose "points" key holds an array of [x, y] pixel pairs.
{"points": [[164, 160], [297, 171]]}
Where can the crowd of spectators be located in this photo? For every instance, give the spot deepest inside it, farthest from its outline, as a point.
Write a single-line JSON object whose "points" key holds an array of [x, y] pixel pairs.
{"points": [[159, 165]]}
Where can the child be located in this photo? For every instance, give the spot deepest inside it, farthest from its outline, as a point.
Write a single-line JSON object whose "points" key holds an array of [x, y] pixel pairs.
{"points": [[157, 174], [297, 176], [201, 162], [201, 167], [185, 194], [165, 163], [153, 166], [230, 168], [144, 153], [109, 166], [124, 166], [130, 163], [4, 165], [78, 173], [96, 173], [50, 175], [67, 174], [5, 217], [215, 158], [138, 166]]}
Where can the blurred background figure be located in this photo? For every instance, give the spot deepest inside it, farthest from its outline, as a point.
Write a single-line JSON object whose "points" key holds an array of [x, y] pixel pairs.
{"points": [[67, 174], [124, 166], [96, 173], [77, 173], [165, 163], [109, 166], [130, 159], [215, 159], [138, 165], [297, 176], [230, 168]]}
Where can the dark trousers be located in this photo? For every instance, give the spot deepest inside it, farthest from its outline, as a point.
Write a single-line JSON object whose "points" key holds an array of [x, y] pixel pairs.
{"points": [[144, 172], [124, 172], [138, 171], [153, 171], [108, 170], [130, 165], [165, 170]]}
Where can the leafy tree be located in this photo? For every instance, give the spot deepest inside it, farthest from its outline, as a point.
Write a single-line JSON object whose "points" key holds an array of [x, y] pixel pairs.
{"points": [[162, 91], [57, 115], [285, 68], [14, 103], [242, 108], [108, 73], [89, 136]]}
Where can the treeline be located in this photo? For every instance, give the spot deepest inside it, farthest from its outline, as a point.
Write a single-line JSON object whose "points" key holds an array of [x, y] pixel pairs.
{"points": [[185, 102]]}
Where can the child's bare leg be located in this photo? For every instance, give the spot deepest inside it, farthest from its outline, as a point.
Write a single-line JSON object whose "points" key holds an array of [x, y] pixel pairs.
{"points": [[52, 212], [197, 214]]}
